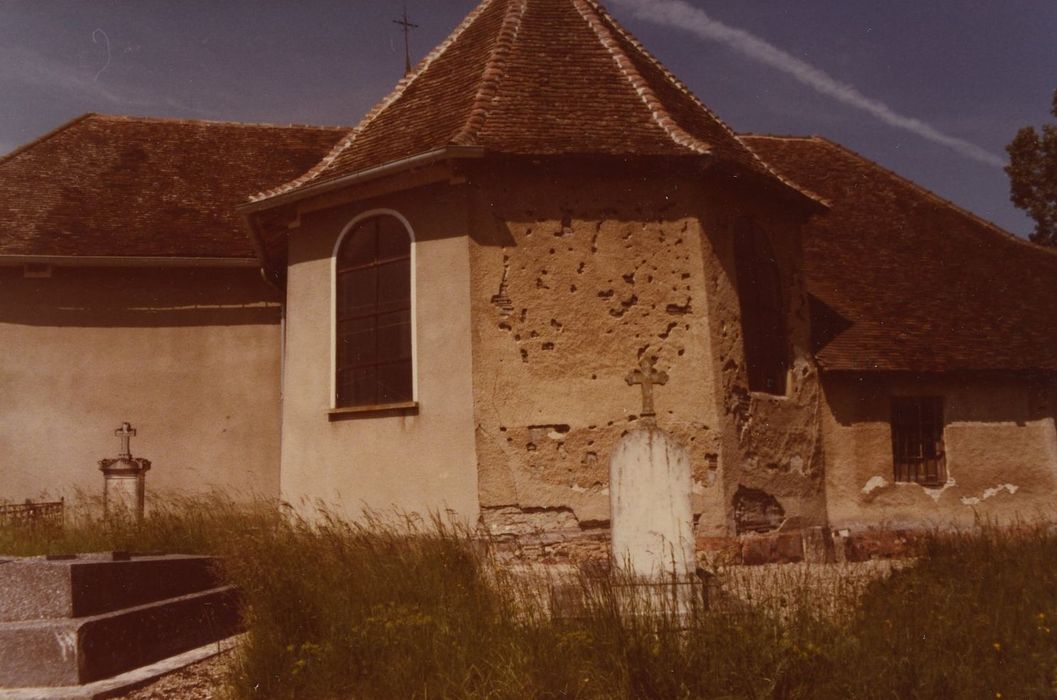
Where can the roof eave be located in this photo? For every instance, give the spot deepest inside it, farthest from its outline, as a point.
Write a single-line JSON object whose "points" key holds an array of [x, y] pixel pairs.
{"points": [[126, 261], [812, 203], [450, 152], [845, 369]]}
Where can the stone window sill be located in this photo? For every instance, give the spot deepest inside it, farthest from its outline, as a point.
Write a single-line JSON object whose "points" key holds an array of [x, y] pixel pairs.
{"points": [[404, 408]]}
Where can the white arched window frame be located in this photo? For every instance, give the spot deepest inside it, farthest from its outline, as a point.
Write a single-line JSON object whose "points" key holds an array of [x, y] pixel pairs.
{"points": [[334, 334]]}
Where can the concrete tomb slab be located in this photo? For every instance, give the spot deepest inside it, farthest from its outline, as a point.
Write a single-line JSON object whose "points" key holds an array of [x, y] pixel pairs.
{"points": [[37, 589], [78, 621]]}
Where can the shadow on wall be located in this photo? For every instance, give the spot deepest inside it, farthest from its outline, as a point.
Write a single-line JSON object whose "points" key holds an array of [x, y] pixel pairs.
{"points": [[138, 298], [984, 397], [601, 189]]}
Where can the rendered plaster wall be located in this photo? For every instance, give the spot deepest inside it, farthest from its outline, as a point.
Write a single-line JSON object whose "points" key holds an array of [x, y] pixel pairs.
{"points": [[418, 462], [190, 357], [999, 438], [774, 469], [577, 274]]}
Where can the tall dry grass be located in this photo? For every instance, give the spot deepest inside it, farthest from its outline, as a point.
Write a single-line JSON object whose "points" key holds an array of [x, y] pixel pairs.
{"points": [[412, 609]]}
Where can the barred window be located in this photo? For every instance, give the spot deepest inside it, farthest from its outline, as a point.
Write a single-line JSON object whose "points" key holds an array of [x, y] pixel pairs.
{"points": [[917, 440], [764, 332], [373, 314]]}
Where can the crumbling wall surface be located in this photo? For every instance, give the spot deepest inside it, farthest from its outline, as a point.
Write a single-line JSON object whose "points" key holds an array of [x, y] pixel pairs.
{"points": [[772, 466], [999, 438], [578, 273]]}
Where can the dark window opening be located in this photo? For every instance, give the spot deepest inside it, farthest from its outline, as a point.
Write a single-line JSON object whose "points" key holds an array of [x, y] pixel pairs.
{"points": [[917, 440], [763, 311], [373, 313]]}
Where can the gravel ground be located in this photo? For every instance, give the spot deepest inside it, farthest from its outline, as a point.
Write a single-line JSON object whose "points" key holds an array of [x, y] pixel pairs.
{"points": [[201, 681]]}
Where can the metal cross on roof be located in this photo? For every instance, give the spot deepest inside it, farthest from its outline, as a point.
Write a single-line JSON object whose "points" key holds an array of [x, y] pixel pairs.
{"points": [[126, 432], [647, 376], [405, 22]]}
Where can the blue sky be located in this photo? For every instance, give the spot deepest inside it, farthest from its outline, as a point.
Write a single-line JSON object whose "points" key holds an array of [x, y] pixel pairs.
{"points": [[931, 89]]}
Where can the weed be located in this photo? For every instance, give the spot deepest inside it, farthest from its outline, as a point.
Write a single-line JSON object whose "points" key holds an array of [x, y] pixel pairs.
{"points": [[401, 608]]}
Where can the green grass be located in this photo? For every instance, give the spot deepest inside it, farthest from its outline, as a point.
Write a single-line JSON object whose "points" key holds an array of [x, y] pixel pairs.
{"points": [[419, 610]]}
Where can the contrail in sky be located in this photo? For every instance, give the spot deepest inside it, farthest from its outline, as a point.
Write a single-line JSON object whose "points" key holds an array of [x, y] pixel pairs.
{"points": [[33, 68], [679, 14]]}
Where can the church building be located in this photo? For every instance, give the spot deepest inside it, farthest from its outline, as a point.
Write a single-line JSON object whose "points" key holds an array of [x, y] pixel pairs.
{"points": [[438, 309]]}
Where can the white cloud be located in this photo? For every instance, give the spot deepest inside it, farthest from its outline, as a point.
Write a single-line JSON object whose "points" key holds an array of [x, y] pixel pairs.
{"points": [[679, 14]]}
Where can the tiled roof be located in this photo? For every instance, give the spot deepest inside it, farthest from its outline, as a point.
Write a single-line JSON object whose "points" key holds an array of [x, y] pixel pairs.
{"points": [[912, 282], [535, 77], [138, 187]]}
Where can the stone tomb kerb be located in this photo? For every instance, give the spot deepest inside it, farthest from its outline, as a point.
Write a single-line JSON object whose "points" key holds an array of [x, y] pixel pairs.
{"points": [[77, 619]]}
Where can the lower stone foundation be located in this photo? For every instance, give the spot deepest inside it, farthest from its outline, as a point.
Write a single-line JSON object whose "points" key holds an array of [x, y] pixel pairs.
{"points": [[590, 547]]}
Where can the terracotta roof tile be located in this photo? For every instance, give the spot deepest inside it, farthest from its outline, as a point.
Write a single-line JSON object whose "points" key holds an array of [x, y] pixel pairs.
{"points": [[139, 187], [921, 285], [535, 77]]}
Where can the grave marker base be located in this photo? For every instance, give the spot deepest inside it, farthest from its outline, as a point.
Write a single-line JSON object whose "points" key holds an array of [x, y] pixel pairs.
{"points": [[64, 623]]}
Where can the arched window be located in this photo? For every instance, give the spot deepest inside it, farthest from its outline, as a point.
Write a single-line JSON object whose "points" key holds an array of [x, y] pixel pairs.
{"points": [[763, 309], [373, 357]]}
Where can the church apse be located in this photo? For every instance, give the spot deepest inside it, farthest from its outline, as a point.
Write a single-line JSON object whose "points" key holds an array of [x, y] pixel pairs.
{"points": [[578, 275]]}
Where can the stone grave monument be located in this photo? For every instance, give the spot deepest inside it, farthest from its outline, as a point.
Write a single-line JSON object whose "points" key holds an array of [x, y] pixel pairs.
{"points": [[70, 624], [124, 479], [651, 516], [649, 494]]}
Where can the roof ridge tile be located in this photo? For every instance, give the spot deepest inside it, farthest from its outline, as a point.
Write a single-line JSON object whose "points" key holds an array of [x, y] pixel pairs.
{"points": [[208, 122], [918, 283], [494, 71], [679, 85], [397, 92], [780, 137], [937, 199], [537, 77], [100, 187], [593, 14], [46, 136]]}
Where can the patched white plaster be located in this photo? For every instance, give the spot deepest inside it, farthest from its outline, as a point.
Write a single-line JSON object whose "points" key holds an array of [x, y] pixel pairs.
{"points": [[797, 464], [935, 494], [875, 482], [990, 493], [698, 488]]}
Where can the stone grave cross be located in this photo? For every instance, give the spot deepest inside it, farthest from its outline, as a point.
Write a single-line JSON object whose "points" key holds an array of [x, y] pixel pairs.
{"points": [[124, 478], [647, 376], [126, 432]]}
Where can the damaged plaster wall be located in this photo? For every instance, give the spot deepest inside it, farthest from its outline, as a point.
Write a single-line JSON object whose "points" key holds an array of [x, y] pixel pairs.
{"points": [[999, 438], [771, 445], [577, 274]]}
